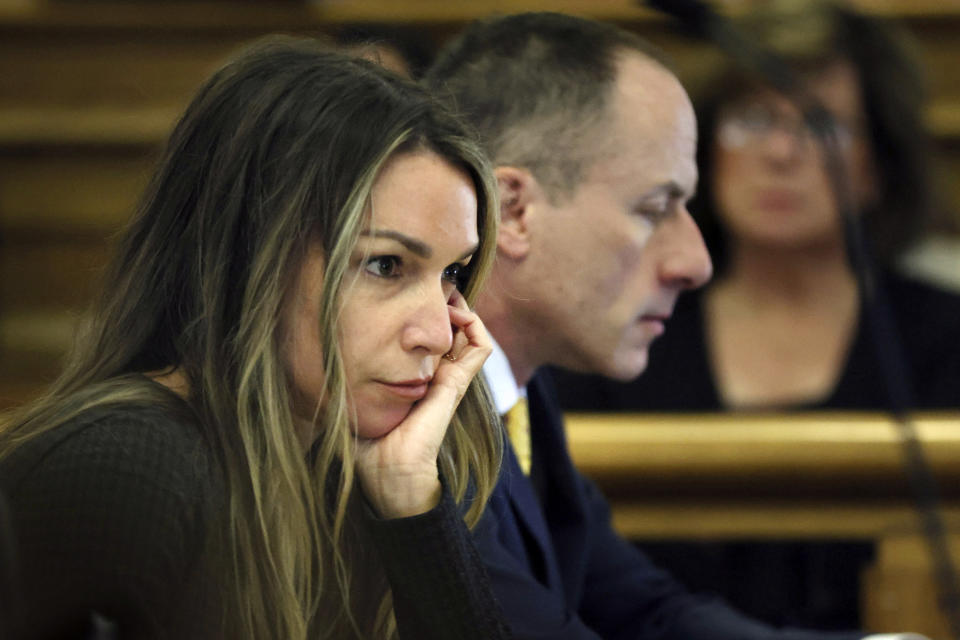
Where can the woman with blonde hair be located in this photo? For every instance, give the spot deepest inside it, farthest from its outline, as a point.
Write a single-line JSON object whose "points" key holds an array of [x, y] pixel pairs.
{"points": [[270, 427]]}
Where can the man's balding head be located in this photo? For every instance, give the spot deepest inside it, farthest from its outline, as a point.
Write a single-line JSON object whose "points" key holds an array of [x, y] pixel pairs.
{"points": [[594, 143], [537, 87]]}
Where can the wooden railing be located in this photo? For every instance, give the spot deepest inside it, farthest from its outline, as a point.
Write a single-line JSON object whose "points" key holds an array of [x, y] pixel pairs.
{"points": [[797, 476]]}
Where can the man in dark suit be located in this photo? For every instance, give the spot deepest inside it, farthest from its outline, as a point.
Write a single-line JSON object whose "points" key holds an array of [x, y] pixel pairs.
{"points": [[594, 141]]}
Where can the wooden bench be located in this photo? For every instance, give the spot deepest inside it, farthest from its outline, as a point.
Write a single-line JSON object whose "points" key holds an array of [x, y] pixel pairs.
{"points": [[781, 476]]}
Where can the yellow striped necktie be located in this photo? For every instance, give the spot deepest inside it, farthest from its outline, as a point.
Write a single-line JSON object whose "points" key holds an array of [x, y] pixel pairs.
{"points": [[518, 428]]}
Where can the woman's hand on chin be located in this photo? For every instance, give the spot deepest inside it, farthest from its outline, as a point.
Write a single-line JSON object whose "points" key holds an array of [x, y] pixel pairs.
{"points": [[398, 471]]}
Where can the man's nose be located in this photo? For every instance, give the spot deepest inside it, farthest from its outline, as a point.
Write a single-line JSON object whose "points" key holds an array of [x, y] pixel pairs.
{"points": [[685, 263], [428, 326]]}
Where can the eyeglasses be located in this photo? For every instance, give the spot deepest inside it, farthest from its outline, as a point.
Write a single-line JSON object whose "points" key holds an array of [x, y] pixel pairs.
{"points": [[745, 125]]}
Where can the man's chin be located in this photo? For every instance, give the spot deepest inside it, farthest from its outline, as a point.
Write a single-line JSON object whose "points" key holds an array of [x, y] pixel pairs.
{"points": [[626, 367], [623, 365]]}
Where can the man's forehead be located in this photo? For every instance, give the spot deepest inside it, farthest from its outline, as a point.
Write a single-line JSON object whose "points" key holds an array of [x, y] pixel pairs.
{"points": [[652, 171], [646, 97], [654, 143], [679, 179], [641, 80]]}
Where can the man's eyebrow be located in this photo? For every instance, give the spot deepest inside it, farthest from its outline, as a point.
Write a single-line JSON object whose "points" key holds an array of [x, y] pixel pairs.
{"points": [[413, 245], [672, 189]]}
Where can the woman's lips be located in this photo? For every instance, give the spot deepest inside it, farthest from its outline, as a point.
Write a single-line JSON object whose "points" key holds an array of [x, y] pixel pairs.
{"points": [[408, 389], [779, 200]]}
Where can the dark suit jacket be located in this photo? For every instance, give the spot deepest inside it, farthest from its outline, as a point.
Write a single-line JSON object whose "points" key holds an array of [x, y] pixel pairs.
{"points": [[561, 572]]}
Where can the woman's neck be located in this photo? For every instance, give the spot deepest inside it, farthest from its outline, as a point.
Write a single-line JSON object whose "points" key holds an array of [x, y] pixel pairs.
{"points": [[173, 379], [779, 326], [809, 277]]}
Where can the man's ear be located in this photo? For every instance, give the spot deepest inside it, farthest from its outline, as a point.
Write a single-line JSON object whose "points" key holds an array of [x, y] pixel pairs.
{"points": [[518, 191]]}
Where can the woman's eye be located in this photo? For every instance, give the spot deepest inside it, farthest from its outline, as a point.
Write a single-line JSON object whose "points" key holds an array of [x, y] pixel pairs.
{"points": [[458, 274], [383, 266], [452, 273]]}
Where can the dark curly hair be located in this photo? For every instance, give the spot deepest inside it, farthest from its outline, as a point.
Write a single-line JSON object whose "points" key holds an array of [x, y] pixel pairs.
{"points": [[811, 37]]}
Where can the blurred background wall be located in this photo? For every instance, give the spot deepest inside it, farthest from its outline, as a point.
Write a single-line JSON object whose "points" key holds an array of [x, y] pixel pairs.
{"points": [[89, 90]]}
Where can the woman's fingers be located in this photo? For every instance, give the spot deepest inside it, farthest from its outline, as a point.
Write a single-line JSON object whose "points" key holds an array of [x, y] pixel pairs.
{"points": [[468, 328], [459, 315], [471, 347], [460, 340], [399, 469]]}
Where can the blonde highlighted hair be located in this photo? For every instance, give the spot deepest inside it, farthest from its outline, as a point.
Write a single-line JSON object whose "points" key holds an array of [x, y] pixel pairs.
{"points": [[279, 149]]}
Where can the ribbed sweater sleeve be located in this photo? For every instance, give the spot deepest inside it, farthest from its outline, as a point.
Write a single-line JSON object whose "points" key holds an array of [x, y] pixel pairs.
{"points": [[440, 588]]}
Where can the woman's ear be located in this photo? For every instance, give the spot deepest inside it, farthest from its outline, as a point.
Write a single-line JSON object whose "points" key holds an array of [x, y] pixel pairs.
{"points": [[518, 190]]}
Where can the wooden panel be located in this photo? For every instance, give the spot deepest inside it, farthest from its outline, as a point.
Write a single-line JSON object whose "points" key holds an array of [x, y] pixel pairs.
{"points": [[35, 340], [50, 274], [252, 17], [937, 46], [220, 16], [33, 125], [948, 176], [124, 69], [459, 12], [156, 56], [15, 391], [618, 10], [752, 519], [32, 345], [761, 455], [899, 591], [71, 191]]}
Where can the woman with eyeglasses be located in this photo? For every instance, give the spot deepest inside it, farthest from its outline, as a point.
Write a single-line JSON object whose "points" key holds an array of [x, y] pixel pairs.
{"points": [[780, 326], [270, 427]]}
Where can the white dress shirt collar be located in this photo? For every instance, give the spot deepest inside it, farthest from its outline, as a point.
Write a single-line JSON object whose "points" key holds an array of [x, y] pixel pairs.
{"points": [[503, 386]]}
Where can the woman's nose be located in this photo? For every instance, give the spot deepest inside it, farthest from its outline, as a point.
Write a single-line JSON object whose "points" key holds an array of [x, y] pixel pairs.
{"points": [[785, 142], [428, 327]]}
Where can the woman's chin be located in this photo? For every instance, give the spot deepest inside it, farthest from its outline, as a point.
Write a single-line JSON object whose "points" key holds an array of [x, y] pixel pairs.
{"points": [[381, 422]]}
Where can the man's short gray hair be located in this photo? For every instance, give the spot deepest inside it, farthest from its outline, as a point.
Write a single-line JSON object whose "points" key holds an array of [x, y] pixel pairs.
{"points": [[536, 87]]}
